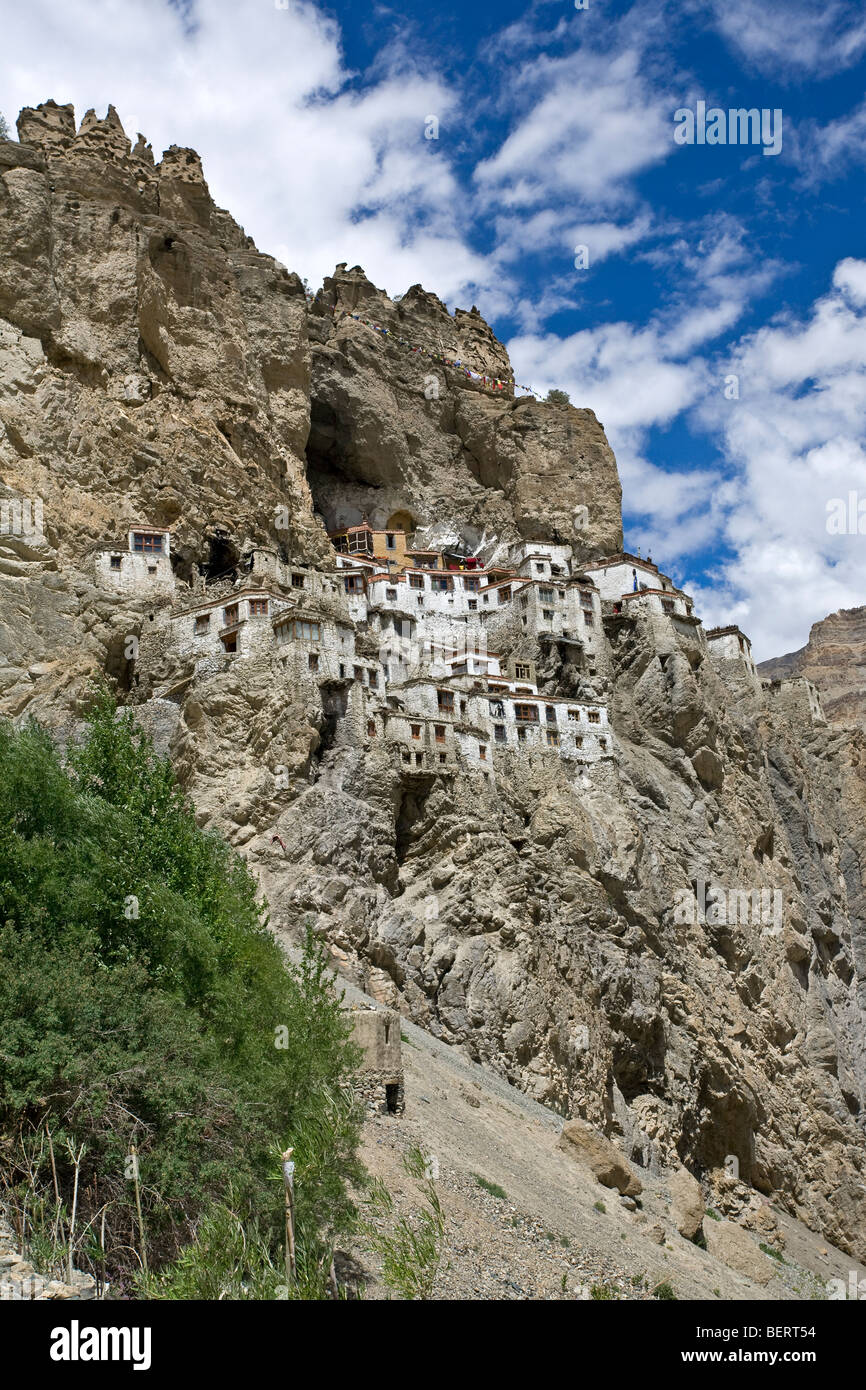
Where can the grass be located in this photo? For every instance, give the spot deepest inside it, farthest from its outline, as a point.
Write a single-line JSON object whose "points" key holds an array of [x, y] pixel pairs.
{"points": [[664, 1291], [600, 1206], [603, 1293], [712, 1214], [773, 1253], [492, 1187]]}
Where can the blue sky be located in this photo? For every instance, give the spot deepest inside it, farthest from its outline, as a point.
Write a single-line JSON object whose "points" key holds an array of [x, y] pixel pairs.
{"points": [[556, 129]]}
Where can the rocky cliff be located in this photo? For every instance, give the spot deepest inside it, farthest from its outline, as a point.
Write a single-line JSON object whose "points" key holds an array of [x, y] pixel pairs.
{"points": [[547, 916], [834, 659]]}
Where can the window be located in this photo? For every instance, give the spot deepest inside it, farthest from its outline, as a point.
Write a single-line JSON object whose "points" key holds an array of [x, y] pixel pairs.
{"points": [[497, 709], [593, 716], [578, 740], [416, 730], [359, 673], [373, 680], [442, 757], [416, 581], [313, 661], [528, 713], [230, 644], [342, 671], [547, 614], [524, 603], [499, 733], [407, 757], [485, 599], [539, 568], [522, 673], [667, 605], [552, 738], [391, 594], [230, 615], [550, 713], [151, 569], [201, 624], [472, 605], [588, 618], [602, 743], [147, 542], [442, 585], [390, 541], [505, 594], [306, 631], [574, 716], [473, 585], [482, 752], [353, 583], [545, 595], [419, 759], [371, 728], [521, 734], [439, 731], [258, 607], [115, 562], [445, 700], [297, 581], [360, 541], [586, 598]]}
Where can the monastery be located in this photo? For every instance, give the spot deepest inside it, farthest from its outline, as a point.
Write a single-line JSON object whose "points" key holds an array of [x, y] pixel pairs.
{"points": [[418, 643]]}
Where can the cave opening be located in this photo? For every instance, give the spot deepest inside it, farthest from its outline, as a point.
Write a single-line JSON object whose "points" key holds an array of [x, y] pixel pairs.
{"points": [[223, 559], [410, 821]]}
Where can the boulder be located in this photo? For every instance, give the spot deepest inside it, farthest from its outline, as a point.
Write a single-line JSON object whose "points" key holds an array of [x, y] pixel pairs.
{"points": [[605, 1161], [735, 1248], [687, 1203]]}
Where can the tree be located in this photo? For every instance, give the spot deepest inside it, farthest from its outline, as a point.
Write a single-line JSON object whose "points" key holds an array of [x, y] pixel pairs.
{"points": [[141, 999], [4, 128], [558, 397]]}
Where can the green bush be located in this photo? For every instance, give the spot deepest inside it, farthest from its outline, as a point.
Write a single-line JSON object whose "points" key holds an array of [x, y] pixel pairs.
{"points": [[141, 994]]}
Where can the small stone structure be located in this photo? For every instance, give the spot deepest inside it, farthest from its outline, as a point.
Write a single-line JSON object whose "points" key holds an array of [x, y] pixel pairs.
{"points": [[376, 1031]]}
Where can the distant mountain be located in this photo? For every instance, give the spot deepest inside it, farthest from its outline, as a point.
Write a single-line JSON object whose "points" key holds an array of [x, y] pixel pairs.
{"points": [[834, 659]]}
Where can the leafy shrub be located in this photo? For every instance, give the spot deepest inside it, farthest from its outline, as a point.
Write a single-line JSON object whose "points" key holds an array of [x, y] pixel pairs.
{"points": [[140, 997]]}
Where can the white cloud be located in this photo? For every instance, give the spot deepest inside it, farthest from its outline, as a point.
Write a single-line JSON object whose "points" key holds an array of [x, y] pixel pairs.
{"points": [[796, 439], [793, 38], [827, 153], [592, 123]]}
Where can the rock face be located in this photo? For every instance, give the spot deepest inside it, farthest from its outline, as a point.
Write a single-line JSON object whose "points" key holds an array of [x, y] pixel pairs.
{"points": [[153, 365], [547, 913], [834, 659], [395, 431]]}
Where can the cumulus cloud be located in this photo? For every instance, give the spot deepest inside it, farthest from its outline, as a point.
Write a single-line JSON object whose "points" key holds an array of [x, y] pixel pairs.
{"points": [[796, 441]]}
